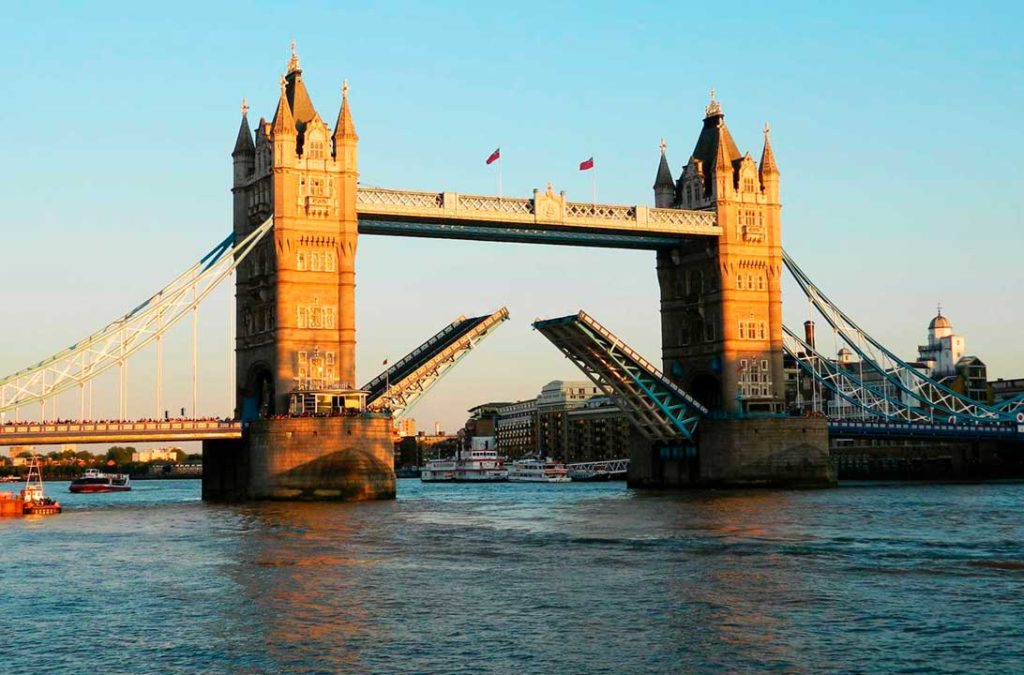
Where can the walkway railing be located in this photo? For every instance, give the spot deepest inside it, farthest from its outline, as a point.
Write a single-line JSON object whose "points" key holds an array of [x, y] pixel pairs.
{"points": [[545, 208]]}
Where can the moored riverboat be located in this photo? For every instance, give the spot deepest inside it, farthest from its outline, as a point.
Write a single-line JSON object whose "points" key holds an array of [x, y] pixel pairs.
{"points": [[96, 481], [538, 471]]}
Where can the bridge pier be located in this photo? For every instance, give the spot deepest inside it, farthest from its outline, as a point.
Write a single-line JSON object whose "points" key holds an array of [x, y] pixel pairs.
{"points": [[304, 458], [786, 452]]}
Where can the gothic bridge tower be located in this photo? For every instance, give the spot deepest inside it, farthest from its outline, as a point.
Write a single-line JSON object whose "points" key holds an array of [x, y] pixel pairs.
{"points": [[721, 301], [295, 317], [721, 327], [295, 295]]}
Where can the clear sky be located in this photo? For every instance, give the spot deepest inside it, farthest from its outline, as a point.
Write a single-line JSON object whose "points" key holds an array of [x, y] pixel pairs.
{"points": [[896, 126]]}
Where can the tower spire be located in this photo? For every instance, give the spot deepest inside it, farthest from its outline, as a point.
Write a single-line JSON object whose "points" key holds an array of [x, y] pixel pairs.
{"points": [[293, 62], [283, 120], [767, 156], [345, 127], [714, 107], [243, 143]]}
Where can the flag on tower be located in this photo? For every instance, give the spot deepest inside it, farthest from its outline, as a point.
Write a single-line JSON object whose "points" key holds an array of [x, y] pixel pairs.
{"points": [[385, 362], [495, 156], [588, 164]]}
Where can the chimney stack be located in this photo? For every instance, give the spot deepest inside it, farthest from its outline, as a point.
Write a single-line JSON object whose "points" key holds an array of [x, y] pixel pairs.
{"points": [[809, 333]]}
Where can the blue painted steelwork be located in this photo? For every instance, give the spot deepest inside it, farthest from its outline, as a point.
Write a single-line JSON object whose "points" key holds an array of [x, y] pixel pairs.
{"points": [[872, 429], [900, 374], [512, 233], [399, 387], [660, 409], [848, 386]]}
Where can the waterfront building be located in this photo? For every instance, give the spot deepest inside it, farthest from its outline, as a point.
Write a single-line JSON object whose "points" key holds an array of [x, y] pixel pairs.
{"points": [[516, 429], [568, 420], [1004, 390], [944, 349], [405, 427], [597, 430], [158, 455]]}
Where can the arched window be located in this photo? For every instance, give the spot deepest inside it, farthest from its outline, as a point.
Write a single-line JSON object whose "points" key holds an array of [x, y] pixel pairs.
{"points": [[739, 282], [300, 261]]}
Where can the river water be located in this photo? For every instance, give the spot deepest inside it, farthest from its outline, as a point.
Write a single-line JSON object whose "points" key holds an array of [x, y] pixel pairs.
{"points": [[576, 578]]}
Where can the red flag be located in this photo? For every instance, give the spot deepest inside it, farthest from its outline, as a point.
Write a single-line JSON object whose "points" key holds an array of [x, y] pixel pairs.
{"points": [[495, 156], [589, 164], [384, 363]]}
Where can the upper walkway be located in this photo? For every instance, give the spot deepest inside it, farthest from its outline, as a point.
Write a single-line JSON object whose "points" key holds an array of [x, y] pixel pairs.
{"points": [[547, 218], [54, 433]]}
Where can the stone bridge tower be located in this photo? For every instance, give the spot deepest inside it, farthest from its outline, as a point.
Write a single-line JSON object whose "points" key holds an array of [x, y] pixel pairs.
{"points": [[295, 317], [295, 295], [721, 301]]}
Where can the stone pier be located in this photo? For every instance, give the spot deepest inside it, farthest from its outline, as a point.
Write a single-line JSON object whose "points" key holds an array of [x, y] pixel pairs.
{"points": [[786, 452], [312, 458]]}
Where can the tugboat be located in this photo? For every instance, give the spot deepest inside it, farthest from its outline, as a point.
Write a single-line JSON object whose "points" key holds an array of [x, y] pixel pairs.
{"points": [[35, 502], [95, 481]]}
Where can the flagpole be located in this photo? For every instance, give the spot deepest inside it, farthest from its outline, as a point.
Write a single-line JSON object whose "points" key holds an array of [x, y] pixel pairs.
{"points": [[593, 183], [499, 173]]}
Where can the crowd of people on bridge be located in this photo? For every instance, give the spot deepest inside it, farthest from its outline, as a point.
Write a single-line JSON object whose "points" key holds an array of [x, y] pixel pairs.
{"points": [[145, 420]]}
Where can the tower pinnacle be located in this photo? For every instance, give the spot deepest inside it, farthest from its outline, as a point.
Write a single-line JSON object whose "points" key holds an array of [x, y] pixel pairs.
{"points": [[293, 62], [344, 127], [714, 107], [767, 156]]}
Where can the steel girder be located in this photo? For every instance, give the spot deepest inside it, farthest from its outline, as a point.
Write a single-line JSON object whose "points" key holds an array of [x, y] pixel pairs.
{"points": [[876, 356], [659, 408], [846, 385], [113, 344], [399, 387]]}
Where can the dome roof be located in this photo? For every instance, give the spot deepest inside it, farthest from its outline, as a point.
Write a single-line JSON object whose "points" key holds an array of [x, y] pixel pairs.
{"points": [[939, 322], [845, 352]]}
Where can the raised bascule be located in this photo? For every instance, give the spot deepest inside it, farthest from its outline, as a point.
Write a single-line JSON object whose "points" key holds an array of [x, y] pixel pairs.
{"points": [[712, 414]]}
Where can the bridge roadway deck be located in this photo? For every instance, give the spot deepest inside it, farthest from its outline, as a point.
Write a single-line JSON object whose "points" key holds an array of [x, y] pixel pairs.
{"points": [[547, 218], [966, 432], [54, 433]]}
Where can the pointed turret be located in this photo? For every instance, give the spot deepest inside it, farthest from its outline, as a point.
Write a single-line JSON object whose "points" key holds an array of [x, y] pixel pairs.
{"points": [[715, 145], [769, 171], [768, 165], [344, 127], [664, 186], [301, 106], [283, 122], [244, 144]]}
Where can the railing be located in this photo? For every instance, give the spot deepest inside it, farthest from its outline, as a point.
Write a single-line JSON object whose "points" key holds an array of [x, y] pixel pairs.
{"points": [[127, 427], [545, 208]]}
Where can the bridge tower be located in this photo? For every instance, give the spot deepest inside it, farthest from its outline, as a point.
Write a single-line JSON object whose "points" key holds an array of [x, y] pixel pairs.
{"points": [[721, 322], [295, 311], [721, 302]]}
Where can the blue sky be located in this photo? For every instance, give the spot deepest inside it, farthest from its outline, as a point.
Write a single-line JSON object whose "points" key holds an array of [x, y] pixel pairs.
{"points": [[896, 127]]}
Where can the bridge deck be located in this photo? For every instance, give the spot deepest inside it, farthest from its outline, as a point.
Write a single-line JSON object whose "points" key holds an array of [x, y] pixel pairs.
{"points": [[546, 219], [398, 387], [658, 408], [880, 429], [53, 433]]}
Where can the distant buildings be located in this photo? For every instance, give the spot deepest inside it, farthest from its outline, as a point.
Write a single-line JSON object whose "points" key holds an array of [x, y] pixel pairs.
{"points": [[158, 455], [943, 358], [405, 427], [569, 420]]}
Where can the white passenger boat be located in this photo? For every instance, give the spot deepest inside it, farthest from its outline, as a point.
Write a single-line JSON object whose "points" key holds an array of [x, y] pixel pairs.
{"points": [[538, 471], [471, 466]]}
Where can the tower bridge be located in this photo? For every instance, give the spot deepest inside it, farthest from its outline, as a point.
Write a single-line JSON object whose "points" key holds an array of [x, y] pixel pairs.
{"points": [[711, 413]]}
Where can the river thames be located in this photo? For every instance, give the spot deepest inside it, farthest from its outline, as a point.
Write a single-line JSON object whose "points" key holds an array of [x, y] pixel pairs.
{"points": [[576, 578]]}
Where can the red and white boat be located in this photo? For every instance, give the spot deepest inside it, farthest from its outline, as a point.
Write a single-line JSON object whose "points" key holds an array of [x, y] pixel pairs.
{"points": [[96, 481]]}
